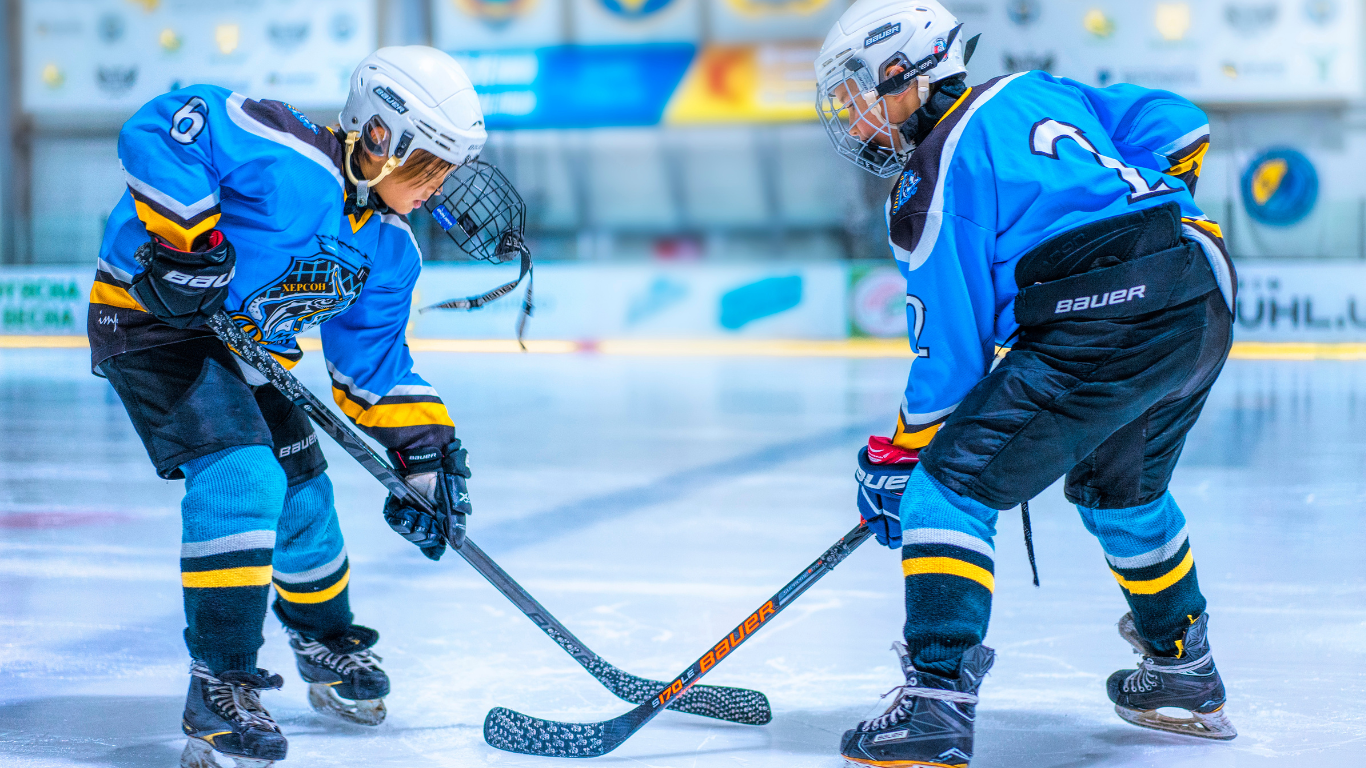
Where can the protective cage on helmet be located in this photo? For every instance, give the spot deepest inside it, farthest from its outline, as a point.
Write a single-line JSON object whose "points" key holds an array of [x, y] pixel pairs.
{"points": [[481, 212], [855, 120]]}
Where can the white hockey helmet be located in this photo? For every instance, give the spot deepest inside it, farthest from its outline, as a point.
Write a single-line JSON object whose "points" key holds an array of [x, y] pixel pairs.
{"points": [[920, 37], [406, 98]]}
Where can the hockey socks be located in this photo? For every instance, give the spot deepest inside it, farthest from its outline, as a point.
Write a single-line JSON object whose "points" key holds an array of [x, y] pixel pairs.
{"points": [[232, 500], [1149, 554], [948, 561], [312, 571]]}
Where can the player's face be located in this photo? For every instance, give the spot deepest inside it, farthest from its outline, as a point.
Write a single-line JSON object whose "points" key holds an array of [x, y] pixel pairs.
{"points": [[867, 119], [404, 196]]}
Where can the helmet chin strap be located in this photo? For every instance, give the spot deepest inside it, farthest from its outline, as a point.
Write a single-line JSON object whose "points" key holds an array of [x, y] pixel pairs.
{"points": [[363, 185], [923, 88]]}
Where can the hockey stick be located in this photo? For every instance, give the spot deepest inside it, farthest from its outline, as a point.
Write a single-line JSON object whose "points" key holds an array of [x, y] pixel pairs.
{"points": [[516, 732], [737, 705]]}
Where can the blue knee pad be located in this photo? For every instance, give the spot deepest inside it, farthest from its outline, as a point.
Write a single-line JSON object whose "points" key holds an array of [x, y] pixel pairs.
{"points": [[309, 535], [234, 491], [929, 505], [1139, 536]]}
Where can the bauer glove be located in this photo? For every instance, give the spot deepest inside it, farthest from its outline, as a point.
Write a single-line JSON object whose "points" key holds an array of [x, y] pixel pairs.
{"points": [[883, 470], [439, 475], [185, 288]]}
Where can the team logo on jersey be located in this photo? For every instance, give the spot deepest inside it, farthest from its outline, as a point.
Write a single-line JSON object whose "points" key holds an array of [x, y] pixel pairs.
{"points": [[311, 292], [881, 33], [906, 187]]}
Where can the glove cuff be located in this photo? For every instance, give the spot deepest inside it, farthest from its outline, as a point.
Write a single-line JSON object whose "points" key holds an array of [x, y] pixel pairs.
{"points": [[881, 450], [415, 461]]}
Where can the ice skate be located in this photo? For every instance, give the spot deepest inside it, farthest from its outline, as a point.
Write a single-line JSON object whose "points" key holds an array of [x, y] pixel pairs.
{"points": [[1189, 682], [223, 714], [343, 675], [929, 724]]}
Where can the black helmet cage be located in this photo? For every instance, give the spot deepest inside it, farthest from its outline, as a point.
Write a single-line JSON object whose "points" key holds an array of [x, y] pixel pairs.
{"points": [[482, 212]]}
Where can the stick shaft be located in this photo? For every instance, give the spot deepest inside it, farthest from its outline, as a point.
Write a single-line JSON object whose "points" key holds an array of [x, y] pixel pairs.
{"points": [[516, 732], [621, 683]]}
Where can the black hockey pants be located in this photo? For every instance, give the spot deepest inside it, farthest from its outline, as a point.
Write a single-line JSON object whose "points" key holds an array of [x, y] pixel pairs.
{"points": [[1104, 393]]}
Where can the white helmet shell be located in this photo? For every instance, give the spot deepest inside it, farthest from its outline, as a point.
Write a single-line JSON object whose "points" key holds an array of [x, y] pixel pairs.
{"points": [[424, 100], [921, 37]]}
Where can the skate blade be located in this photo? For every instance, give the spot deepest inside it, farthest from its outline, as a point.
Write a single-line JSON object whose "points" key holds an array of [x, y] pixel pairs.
{"points": [[199, 754], [325, 701], [1212, 725]]}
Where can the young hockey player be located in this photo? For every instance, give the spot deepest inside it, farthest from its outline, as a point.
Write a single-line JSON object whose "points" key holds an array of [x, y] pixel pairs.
{"points": [[1040, 214], [248, 207]]}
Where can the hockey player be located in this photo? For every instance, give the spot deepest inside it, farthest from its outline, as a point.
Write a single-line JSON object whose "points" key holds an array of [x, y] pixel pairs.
{"points": [[249, 207], [1040, 214]]}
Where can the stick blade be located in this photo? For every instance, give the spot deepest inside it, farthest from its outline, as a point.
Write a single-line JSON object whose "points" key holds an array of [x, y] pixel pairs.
{"points": [[735, 705], [513, 731]]}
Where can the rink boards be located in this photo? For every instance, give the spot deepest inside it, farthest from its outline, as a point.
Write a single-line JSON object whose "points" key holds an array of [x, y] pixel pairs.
{"points": [[845, 309]]}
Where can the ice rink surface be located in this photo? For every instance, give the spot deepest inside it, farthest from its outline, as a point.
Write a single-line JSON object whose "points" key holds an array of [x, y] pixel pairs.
{"points": [[651, 504]]}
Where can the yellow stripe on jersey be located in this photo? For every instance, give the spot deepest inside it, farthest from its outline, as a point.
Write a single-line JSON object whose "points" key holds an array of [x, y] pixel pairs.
{"points": [[956, 104], [248, 576], [917, 566], [1153, 586], [1195, 161], [356, 223], [168, 230], [1209, 226], [113, 296], [913, 440], [393, 415], [321, 596]]}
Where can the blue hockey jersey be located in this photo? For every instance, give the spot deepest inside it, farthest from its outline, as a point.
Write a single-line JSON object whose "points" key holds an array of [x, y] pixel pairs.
{"points": [[205, 158], [1016, 161]]}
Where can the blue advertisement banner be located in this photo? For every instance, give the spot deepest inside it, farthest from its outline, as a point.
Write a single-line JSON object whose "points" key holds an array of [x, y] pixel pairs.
{"points": [[567, 86]]}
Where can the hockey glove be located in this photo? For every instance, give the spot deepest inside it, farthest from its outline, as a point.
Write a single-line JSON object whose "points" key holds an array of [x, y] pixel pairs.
{"points": [[438, 474], [883, 470], [184, 289]]}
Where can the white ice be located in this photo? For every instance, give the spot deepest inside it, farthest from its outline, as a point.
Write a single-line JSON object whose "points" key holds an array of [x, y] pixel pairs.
{"points": [[652, 503]]}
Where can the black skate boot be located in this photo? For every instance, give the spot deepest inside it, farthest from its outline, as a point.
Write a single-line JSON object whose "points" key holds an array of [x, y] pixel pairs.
{"points": [[1188, 682], [224, 714], [343, 674], [929, 723]]}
